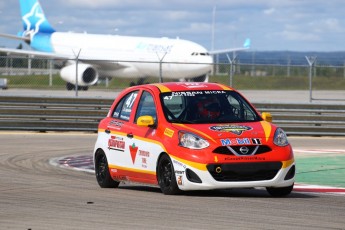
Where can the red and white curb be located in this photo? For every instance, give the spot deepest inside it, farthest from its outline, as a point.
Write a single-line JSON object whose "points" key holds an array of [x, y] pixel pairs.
{"points": [[85, 163], [320, 151], [318, 189], [79, 163]]}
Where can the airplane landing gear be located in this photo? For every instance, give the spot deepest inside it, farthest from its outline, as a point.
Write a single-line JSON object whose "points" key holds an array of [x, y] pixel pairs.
{"points": [[141, 81], [70, 86]]}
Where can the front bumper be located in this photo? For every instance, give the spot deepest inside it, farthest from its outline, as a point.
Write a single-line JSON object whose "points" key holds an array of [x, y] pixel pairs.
{"points": [[234, 175]]}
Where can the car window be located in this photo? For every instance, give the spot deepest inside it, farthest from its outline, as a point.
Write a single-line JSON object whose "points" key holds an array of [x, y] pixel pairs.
{"points": [[240, 109], [174, 106], [124, 108], [146, 106]]}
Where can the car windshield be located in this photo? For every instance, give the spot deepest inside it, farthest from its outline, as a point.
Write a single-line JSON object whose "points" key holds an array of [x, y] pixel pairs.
{"points": [[212, 106]]}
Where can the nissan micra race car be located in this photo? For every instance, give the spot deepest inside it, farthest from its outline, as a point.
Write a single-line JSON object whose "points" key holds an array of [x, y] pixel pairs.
{"points": [[191, 136]]}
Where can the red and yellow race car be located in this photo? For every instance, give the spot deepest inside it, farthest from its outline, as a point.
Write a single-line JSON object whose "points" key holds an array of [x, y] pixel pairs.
{"points": [[191, 136]]}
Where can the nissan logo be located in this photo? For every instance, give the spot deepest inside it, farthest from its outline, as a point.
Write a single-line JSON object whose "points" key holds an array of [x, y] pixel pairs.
{"points": [[244, 150]]}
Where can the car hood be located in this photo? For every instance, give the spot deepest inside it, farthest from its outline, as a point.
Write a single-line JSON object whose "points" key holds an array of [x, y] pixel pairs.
{"points": [[223, 131]]}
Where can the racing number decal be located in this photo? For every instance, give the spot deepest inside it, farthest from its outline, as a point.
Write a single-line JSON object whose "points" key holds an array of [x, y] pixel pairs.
{"points": [[130, 100]]}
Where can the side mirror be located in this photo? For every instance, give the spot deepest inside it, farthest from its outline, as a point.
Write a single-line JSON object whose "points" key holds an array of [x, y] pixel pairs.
{"points": [[266, 116], [145, 121]]}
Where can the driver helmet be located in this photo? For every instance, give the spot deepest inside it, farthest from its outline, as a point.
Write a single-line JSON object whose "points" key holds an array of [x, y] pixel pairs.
{"points": [[209, 107]]}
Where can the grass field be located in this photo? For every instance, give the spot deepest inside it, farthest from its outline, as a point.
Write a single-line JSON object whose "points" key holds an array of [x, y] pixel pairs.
{"points": [[239, 82]]}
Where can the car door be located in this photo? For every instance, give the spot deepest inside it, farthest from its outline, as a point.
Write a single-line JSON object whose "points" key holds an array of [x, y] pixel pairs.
{"points": [[117, 130], [143, 142]]}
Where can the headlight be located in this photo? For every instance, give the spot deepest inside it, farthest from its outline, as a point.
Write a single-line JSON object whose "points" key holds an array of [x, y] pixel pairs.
{"points": [[280, 138], [192, 141]]}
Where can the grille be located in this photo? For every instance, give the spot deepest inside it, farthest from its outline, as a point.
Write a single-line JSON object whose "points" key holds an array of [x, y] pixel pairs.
{"points": [[244, 171], [253, 149]]}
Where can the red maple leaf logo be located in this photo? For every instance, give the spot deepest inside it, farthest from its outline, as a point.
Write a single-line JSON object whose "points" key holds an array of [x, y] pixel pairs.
{"points": [[133, 149]]}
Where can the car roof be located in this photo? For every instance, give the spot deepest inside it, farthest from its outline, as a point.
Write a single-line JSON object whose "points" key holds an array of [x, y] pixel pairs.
{"points": [[189, 86]]}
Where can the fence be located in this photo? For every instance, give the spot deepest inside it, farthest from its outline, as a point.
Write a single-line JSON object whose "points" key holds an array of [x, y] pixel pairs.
{"points": [[240, 73], [83, 114], [13, 66]]}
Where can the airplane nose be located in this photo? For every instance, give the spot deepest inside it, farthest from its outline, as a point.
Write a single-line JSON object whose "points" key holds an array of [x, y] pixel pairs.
{"points": [[205, 64], [208, 61], [204, 60]]}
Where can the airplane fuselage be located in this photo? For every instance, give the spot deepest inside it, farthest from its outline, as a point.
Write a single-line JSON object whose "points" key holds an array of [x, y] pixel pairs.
{"points": [[93, 56], [141, 56]]}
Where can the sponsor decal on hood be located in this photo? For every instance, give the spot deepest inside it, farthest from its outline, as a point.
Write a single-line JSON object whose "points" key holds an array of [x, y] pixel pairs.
{"points": [[236, 129]]}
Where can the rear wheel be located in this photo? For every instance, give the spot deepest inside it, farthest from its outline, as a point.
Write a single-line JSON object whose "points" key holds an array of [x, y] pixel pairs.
{"points": [[102, 172], [166, 176], [279, 192]]}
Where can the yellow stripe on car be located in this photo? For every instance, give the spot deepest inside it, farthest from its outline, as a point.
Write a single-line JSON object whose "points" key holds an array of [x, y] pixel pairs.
{"points": [[288, 163], [199, 166], [267, 129], [163, 88], [131, 169]]}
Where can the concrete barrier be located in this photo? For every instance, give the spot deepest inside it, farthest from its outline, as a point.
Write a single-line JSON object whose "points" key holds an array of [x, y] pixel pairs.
{"points": [[83, 114]]}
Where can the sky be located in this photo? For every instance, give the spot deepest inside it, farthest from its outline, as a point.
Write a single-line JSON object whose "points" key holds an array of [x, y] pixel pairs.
{"points": [[272, 25]]}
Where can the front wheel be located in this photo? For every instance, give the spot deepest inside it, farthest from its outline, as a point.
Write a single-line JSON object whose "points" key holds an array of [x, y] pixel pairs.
{"points": [[279, 192], [166, 176], [102, 172]]}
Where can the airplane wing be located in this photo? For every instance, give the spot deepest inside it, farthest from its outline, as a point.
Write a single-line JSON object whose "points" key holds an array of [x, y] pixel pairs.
{"points": [[14, 37], [100, 63], [246, 45], [22, 52]]}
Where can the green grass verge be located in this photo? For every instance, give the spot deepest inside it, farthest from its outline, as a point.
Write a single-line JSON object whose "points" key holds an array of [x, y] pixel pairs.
{"points": [[238, 82]]}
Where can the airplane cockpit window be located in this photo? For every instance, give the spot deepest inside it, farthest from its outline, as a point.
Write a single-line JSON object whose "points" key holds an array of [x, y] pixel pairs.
{"points": [[200, 54]]}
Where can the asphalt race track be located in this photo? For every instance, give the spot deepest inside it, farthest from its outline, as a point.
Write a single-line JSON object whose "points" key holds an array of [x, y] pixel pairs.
{"points": [[37, 195]]}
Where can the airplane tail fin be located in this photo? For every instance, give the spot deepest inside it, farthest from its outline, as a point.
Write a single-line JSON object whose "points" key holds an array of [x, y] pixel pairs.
{"points": [[33, 18], [246, 43]]}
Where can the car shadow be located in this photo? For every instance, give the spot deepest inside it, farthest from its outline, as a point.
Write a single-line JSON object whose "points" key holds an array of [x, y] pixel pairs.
{"points": [[247, 192]]}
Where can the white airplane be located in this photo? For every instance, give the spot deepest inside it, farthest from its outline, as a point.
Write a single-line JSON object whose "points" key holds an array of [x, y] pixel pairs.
{"points": [[94, 56]]}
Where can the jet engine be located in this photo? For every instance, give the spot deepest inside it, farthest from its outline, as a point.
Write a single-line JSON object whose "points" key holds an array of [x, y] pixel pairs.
{"points": [[87, 74]]}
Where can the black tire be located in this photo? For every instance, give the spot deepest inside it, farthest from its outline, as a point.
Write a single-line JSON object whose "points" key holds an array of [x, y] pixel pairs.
{"points": [[102, 172], [166, 176], [279, 192], [69, 86]]}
